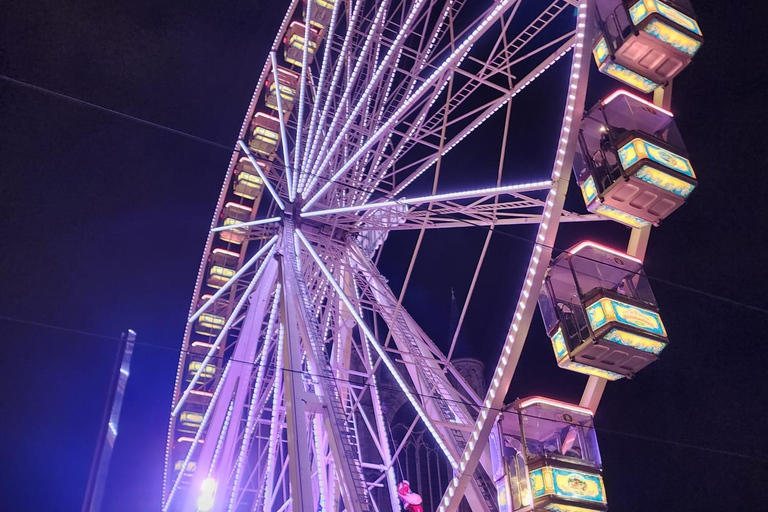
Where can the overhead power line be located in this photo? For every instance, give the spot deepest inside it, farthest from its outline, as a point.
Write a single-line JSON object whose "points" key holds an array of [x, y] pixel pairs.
{"points": [[114, 112], [365, 385], [667, 282]]}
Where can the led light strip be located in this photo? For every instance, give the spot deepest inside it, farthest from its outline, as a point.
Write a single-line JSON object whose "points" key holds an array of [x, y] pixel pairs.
{"points": [[589, 243], [262, 174], [351, 81], [313, 119], [198, 435], [458, 53], [262, 363], [480, 192], [525, 82], [512, 348], [259, 222], [554, 403], [234, 278], [373, 81], [622, 92], [334, 81], [274, 420], [379, 416], [281, 117], [224, 330], [382, 353]]}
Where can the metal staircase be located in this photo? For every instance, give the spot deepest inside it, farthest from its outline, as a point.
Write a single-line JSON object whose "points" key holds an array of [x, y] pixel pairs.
{"points": [[343, 438]]}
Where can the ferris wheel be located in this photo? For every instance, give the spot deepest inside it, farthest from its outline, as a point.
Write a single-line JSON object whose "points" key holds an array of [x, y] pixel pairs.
{"points": [[277, 404]]}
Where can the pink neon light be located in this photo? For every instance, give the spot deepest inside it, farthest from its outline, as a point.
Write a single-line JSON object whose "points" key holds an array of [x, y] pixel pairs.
{"points": [[589, 243], [262, 114], [301, 25], [226, 252], [236, 205], [622, 92], [201, 344], [554, 403]]}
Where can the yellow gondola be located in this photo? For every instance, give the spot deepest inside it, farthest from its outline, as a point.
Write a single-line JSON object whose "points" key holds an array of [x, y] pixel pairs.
{"points": [[547, 458], [209, 325], [645, 43], [222, 267], [234, 214], [321, 14], [289, 83], [293, 43], [265, 134], [600, 312], [247, 183], [631, 163]]}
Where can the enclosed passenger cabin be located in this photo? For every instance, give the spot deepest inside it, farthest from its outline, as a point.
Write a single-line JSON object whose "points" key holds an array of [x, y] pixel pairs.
{"points": [[190, 420], [293, 43], [247, 182], [600, 312], [549, 458], [631, 163], [321, 13], [645, 43], [209, 325], [207, 372], [188, 472], [234, 214], [222, 267], [265, 135], [289, 83]]}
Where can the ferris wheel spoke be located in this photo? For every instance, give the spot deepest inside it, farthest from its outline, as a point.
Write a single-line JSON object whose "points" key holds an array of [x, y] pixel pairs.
{"points": [[281, 117], [375, 80], [224, 330], [319, 96], [539, 258], [233, 279], [258, 166], [340, 65], [486, 114], [455, 56], [253, 410], [338, 138], [377, 347]]}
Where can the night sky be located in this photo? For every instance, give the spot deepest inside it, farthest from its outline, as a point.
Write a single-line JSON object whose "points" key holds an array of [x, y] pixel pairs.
{"points": [[103, 220]]}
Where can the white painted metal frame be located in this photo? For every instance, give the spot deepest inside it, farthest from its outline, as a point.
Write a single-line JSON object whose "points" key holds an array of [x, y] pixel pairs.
{"points": [[367, 123]]}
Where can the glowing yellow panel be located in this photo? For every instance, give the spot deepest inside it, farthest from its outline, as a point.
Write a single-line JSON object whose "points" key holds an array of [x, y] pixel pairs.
{"points": [[630, 339], [627, 76], [605, 311], [638, 149], [590, 370], [212, 321], [208, 372], [643, 8], [558, 344], [191, 466], [567, 483], [192, 419], [665, 181]]}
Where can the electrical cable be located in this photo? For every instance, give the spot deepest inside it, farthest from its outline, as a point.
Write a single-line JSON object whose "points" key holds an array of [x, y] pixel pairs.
{"points": [[469, 223], [667, 282], [114, 112], [363, 386]]}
